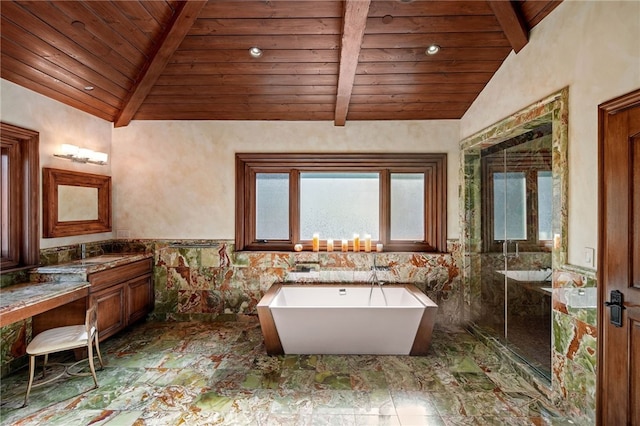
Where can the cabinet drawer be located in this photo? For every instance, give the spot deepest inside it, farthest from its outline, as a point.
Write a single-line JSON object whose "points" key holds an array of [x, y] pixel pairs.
{"points": [[120, 274]]}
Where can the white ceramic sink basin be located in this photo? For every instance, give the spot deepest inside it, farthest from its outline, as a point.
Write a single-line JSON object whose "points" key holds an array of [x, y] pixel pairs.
{"points": [[528, 276]]}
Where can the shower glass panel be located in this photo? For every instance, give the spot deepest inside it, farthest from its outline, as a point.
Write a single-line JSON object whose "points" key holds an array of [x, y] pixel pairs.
{"points": [[517, 214]]}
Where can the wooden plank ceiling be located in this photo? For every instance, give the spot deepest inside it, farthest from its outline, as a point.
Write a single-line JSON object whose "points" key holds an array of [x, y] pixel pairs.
{"points": [[321, 59]]}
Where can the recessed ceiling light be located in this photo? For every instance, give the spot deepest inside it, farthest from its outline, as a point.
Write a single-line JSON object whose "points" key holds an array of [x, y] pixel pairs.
{"points": [[432, 50], [88, 88], [255, 52]]}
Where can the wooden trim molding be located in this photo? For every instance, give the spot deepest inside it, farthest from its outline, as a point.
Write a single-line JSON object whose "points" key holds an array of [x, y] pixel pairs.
{"points": [[52, 226], [267, 324], [422, 342], [433, 165], [24, 196], [606, 113]]}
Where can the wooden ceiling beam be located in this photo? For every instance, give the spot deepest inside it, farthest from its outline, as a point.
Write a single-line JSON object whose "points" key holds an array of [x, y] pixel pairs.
{"points": [[512, 23], [186, 14], [355, 21]]}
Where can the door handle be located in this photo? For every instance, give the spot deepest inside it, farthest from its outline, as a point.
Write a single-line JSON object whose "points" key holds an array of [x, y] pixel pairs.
{"points": [[616, 304]]}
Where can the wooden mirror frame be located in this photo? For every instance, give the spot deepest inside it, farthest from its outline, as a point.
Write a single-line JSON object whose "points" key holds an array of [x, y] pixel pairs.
{"points": [[51, 180]]}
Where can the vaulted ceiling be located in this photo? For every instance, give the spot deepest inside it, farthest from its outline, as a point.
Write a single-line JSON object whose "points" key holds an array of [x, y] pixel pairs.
{"points": [[320, 59]]}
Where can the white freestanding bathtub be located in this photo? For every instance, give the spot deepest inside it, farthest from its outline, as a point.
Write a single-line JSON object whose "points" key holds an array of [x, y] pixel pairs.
{"points": [[346, 319]]}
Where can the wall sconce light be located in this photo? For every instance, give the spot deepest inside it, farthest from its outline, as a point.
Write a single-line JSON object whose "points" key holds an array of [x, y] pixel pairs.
{"points": [[82, 155]]}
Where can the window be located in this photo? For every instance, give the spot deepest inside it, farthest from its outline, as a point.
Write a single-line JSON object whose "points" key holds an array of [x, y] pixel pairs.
{"points": [[397, 199], [518, 197], [19, 185]]}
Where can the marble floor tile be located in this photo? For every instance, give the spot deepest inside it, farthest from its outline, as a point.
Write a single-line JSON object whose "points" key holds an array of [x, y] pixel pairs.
{"points": [[191, 373]]}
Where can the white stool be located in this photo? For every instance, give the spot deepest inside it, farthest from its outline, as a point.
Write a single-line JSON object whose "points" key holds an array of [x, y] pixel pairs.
{"points": [[62, 339]]}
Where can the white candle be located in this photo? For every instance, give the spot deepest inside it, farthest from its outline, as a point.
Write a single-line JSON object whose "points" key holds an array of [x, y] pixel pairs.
{"points": [[297, 247], [379, 247], [316, 242], [329, 244], [356, 242], [345, 245], [367, 243]]}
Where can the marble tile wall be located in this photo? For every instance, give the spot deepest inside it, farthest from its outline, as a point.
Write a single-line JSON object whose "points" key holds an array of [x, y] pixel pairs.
{"points": [[575, 341], [207, 280]]}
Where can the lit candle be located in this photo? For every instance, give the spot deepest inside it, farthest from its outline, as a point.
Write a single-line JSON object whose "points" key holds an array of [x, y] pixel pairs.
{"points": [[367, 243], [345, 245], [356, 242], [297, 247], [379, 247], [316, 242], [329, 244]]}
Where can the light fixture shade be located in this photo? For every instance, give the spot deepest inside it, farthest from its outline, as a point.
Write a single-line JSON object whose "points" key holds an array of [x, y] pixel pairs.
{"points": [[69, 150], [84, 154], [99, 157]]}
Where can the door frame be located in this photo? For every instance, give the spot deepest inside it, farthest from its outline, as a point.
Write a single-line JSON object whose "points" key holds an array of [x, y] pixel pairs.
{"points": [[611, 107]]}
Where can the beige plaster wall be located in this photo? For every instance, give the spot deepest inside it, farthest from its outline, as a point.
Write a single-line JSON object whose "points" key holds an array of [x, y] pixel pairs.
{"points": [[57, 124], [594, 48], [176, 179]]}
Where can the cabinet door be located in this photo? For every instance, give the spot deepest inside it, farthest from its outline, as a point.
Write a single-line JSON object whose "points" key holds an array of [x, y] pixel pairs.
{"points": [[111, 310], [139, 298]]}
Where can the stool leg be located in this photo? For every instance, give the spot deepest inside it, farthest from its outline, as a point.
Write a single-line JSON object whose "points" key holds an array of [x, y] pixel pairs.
{"points": [[91, 366], [44, 366], [95, 336], [32, 370]]}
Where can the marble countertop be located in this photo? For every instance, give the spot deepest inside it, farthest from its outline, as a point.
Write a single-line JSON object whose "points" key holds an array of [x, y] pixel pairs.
{"points": [[55, 285], [92, 264], [25, 300]]}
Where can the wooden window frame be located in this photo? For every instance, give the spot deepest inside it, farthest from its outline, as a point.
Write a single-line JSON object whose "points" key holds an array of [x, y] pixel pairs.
{"points": [[530, 166], [24, 190], [432, 165]]}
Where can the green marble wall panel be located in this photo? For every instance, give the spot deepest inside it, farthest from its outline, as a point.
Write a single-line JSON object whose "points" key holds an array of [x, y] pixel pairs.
{"points": [[206, 279], [575, 341], [573, 318]]}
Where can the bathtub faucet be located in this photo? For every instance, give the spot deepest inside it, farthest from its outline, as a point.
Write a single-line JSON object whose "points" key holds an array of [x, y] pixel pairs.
{"points": [[375, 281]]}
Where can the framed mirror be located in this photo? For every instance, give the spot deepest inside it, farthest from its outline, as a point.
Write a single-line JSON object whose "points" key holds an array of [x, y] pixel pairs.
{"points": [[75, 203]]}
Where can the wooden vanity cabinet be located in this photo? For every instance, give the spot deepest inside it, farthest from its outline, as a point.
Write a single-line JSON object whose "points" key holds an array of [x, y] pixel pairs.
{"points": [[124, 295]]}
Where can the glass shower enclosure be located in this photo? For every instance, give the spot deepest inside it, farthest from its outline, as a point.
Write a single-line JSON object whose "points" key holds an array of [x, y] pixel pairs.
{"points": [[512, 256]]}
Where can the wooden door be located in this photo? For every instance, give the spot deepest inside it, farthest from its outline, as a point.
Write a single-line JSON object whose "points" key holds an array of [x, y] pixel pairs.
{"points": [[619, 261]]}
